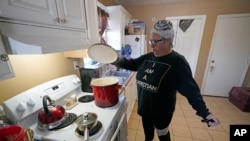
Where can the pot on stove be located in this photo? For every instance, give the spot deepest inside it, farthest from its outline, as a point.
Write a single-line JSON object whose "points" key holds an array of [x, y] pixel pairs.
{"points": [[51, 115], [106, 91], [85, 122]]}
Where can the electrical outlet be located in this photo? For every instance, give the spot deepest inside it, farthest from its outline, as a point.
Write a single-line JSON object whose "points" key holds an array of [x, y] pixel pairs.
{"points": [[76, 65]]}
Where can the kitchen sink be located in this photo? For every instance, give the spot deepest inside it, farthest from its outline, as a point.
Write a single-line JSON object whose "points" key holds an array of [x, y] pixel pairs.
{"points": [[121, 75]]}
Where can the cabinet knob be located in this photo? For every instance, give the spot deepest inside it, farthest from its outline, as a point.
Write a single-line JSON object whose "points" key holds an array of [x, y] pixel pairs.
{"points": [[4, 57], [63, 20]]}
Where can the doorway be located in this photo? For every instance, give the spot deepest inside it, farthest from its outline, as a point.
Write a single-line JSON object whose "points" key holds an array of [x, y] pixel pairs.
{"points": [[188, 36], [229, 55]]}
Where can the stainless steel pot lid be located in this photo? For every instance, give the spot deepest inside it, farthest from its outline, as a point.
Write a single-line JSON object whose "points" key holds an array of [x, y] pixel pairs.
{"points": [[102, 53]]}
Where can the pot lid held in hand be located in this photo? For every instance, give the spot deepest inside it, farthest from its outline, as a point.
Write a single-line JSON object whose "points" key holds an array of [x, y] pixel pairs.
{"points": [[102, 53]]}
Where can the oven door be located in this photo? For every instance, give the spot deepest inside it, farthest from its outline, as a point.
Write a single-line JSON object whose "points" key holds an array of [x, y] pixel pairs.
{"points": [[120, 133]]}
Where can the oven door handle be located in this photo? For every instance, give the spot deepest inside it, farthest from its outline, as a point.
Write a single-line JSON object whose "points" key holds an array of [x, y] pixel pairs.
{"points": [[41, 138], [118, 127]]}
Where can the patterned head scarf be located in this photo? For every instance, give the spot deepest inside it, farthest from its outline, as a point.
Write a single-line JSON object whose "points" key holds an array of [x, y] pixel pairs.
{"points": [[164, 28]]}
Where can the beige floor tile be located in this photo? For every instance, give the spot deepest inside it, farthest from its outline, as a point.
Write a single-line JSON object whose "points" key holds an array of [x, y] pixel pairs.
{"points": [[132, 134], [226, 127], [180, 130], [240, 120], [186, 125], [178, 113], [135, 107], [177, 138], [182, 100], [224, 117], [185, 105], [133, 124], [190, 113], [140, 136], [247, 114], [134, 115], [218, 135], [140, 126], [179, 121], [209, 98], [156, 139], [178, 107], [218, 128], [200, 134], [195, 122]]}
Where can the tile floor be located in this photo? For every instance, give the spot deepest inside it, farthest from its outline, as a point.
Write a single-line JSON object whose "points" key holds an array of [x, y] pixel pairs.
{"points": [[186, 126]]}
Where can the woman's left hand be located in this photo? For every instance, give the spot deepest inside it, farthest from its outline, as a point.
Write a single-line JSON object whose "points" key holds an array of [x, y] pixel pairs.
{"points": [[211, 120]]}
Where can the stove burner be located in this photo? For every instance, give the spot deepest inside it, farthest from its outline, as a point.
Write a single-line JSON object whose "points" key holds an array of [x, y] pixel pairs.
{"points": [[69, 120], [86, 98], [92, 131]]}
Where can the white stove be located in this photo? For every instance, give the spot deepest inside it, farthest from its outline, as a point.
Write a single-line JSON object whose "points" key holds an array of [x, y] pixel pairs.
{"points": [[23, 110]]}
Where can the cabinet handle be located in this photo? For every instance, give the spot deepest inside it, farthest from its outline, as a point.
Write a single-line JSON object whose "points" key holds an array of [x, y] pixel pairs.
{"points": [[63, 20], [4, 57], [57, 19]]}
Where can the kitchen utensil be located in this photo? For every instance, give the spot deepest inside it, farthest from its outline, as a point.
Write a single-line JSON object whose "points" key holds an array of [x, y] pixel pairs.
{"points": [[12, 133], [29, 134], [106, 91], [51, 115], [102, 53], [85, 122]]}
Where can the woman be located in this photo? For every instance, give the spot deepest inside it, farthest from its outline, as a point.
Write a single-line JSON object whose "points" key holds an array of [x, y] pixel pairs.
{"points": [[160, 74]]}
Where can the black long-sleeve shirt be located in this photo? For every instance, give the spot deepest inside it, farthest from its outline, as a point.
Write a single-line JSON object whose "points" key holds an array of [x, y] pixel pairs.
{"points": [[159, 78]]}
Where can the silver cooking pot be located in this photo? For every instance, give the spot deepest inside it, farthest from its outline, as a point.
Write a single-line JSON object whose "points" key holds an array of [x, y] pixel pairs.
{"points": [[85, 122]]}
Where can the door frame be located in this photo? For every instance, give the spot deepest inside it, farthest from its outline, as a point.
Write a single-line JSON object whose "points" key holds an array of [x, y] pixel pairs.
{"points": [[212, 48], [203, 22]]}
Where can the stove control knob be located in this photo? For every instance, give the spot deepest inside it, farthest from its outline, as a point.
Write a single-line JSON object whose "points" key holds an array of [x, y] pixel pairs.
{"points": [[21, 106], [73, 97], [31, 102]]}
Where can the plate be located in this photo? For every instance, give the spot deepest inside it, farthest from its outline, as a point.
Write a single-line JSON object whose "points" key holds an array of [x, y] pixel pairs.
{"points": [[102, 53]]}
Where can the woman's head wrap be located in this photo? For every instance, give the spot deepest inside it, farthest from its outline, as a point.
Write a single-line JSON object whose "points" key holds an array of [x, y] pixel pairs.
{"points": [[164, 28]]}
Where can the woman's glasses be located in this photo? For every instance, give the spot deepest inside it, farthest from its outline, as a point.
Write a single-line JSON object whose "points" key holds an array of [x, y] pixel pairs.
{"points": [[154, 42]]}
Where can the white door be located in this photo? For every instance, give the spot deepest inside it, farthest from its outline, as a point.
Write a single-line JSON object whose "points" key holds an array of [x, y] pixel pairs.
{"points": [[229, 55], [188, 37]]}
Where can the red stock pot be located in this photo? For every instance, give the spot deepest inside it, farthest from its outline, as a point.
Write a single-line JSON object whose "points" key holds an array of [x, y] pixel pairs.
{"points": [[12, 133], [106, 91]]}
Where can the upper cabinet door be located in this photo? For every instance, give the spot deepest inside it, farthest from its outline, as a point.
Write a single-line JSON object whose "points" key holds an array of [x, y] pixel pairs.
{"points": [[40, 12], [65, 13], [72, 13]]}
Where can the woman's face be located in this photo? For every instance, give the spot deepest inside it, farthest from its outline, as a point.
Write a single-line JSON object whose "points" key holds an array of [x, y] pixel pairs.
{"points": [[160, 46]]}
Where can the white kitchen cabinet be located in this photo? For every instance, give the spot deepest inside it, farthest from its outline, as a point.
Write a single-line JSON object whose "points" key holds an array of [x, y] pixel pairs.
{"points": [[118, 20], [5, 66], [92, 21], [130, 92], [40, 29], [64, 13]]}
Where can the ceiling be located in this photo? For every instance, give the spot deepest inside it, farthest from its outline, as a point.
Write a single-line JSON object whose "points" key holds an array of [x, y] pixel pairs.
{"points": [[142, 2]]}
